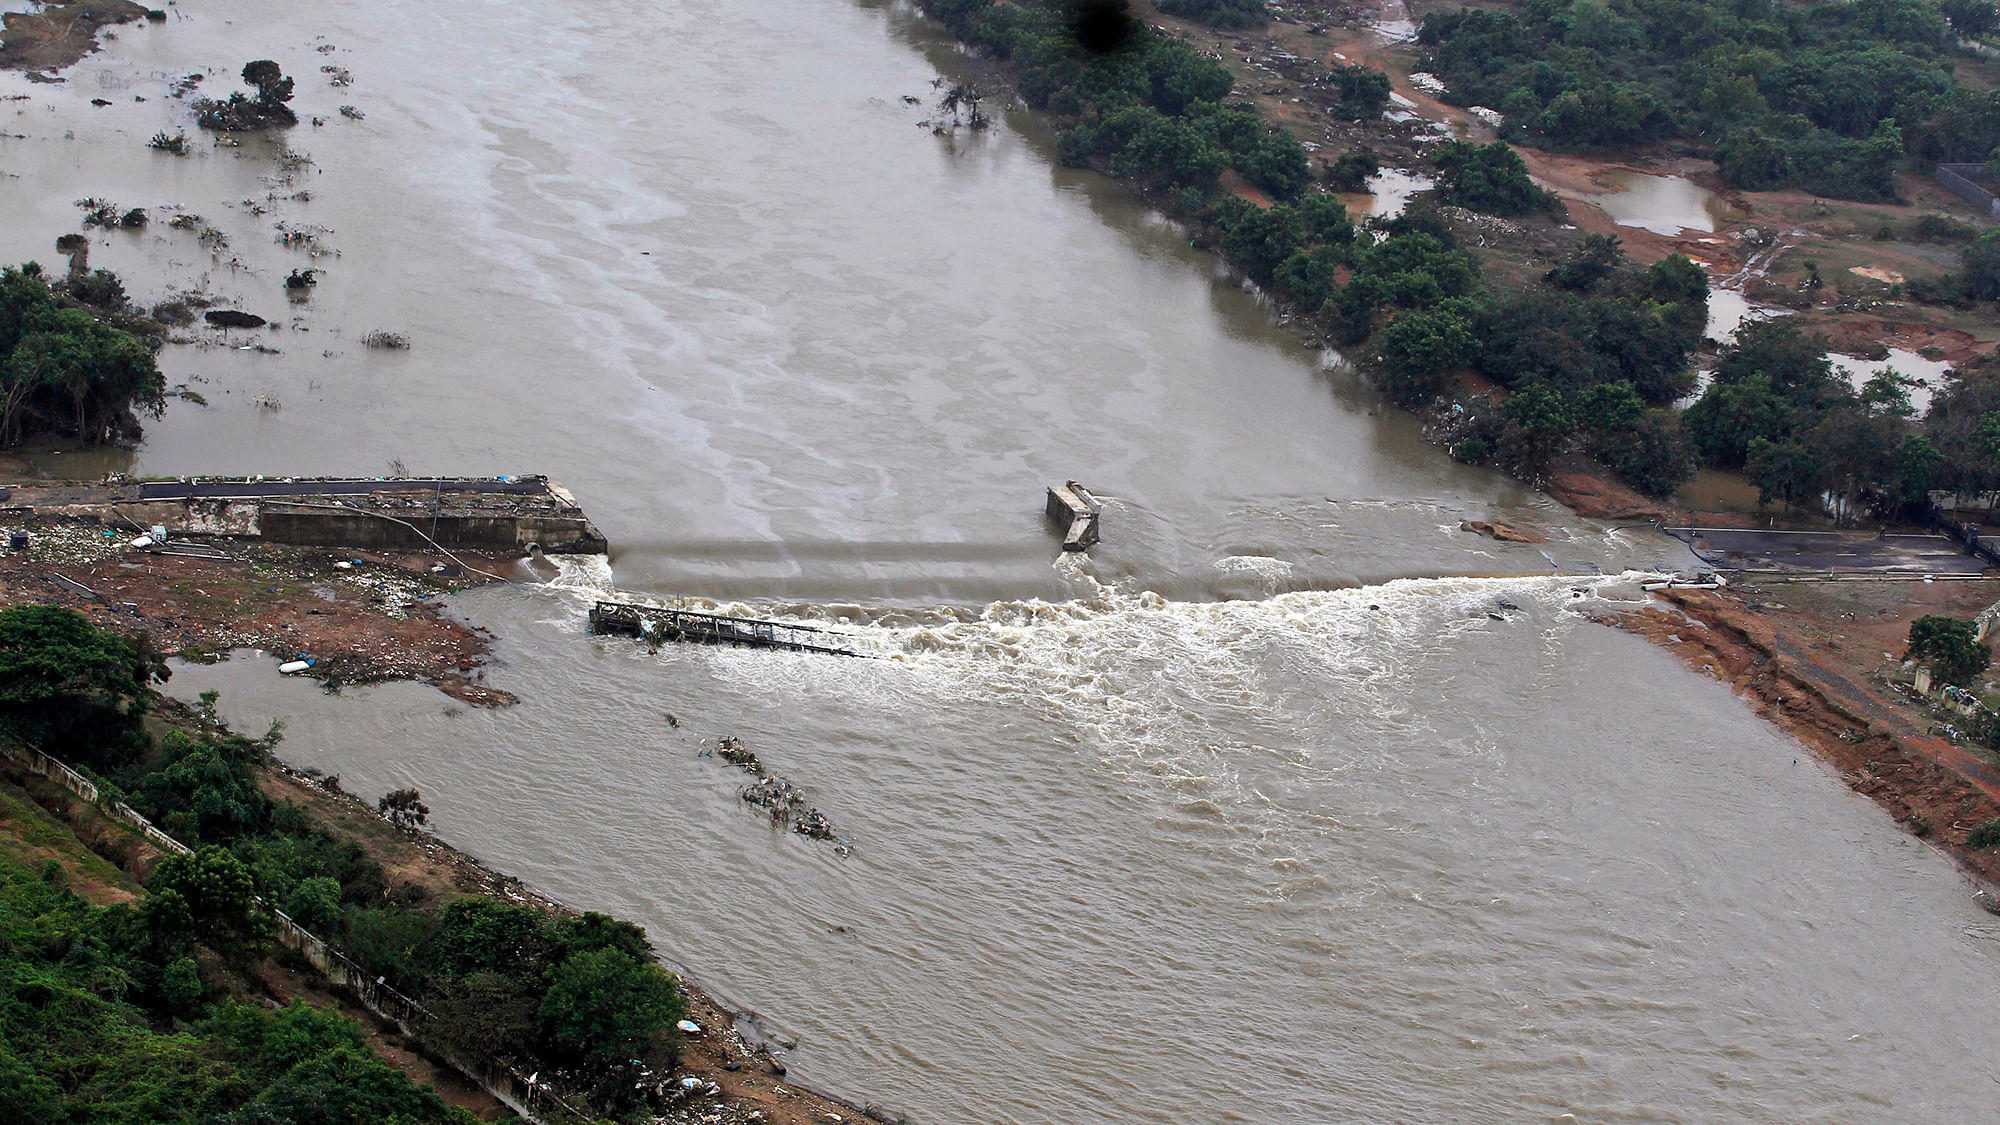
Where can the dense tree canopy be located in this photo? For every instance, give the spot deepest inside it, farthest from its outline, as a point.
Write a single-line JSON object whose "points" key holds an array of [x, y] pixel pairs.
{"points": [[1827, 96], [72, 689], [98, 1025], [63, 371]]}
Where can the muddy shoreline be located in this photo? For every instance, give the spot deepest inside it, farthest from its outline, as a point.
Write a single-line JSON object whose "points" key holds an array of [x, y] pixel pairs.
{"points": [[1798, 671], [745, 1066]]}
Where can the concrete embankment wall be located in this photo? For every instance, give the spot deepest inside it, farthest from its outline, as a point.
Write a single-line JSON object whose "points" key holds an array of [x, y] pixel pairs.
{"points": [[304, 523], [373, 531]]}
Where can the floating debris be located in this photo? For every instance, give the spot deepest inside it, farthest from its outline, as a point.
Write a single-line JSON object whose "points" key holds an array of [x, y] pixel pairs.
{"points": [[785, 803], [736, 754]]}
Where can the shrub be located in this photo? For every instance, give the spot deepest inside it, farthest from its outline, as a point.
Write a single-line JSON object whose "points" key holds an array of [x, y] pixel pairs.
{"points": [[1986, 835]]}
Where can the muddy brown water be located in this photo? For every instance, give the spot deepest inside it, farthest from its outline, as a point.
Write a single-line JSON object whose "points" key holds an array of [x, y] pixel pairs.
{"points": [[1289, 803]]}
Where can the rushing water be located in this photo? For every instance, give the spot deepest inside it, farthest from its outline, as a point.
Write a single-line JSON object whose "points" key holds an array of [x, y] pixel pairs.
{"points": [[1291, 803]]}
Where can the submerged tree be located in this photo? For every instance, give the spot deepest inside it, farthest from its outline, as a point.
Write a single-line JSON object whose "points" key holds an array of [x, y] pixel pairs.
{"points": [[241, 114], [404, 808]]}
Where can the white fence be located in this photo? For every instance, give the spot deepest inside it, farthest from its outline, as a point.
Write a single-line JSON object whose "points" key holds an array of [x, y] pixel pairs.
{"points": [[533, 1100]]}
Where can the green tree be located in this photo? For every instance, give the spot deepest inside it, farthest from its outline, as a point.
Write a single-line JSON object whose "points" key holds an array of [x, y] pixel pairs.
{"points": [[1351, 170], [315, 904], [182, 988], [605, 1008], [221, 898], [1220, 13], [1489, 178], [203, 790], [1950, 648], [1418, 350], [76, 691], [1789, 471], [1277, 164], [1653, 455], [64, 371], [1539, 422], [1594, 259], [486, 1015], [1982, 267], [1972, 19]]}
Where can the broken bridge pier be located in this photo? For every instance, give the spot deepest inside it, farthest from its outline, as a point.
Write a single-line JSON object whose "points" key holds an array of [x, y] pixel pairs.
{"points": [[653, 623], [1077, 512]]}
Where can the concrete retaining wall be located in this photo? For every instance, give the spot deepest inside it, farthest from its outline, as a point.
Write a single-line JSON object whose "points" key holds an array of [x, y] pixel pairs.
{"points": [[318, 527], [1968, 182]]}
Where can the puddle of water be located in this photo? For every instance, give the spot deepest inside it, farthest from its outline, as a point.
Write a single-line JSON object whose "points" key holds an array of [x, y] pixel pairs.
{"points": [[1922, 378], [1389, 192], [1395, 31], [1662, 204], [1728, 309]]}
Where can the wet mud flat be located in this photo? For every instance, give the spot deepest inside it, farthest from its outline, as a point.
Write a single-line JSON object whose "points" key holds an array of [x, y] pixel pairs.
{"points": [[362, 617], [61, 33]]}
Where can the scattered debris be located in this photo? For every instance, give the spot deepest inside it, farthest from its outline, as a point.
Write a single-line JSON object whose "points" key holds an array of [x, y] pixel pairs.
{"points": [[383, 339], [785, 802], [732, 750], [98, 212], [352, 113]]}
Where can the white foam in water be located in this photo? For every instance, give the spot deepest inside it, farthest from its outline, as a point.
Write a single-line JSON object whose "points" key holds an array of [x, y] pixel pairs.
{"points": [[1154, 687]]}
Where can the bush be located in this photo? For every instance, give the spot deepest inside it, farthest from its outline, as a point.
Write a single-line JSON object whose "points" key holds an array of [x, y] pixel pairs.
{"points": [[1489, 178], [1986, 835]]}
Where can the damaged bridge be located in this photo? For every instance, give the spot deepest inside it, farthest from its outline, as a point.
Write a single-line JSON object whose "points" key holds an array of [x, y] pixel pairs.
{"points": [[654, 624]]}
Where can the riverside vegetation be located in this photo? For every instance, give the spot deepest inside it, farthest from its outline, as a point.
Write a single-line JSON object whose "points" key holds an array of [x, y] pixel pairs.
{"points": [[69, 364], [1593, 356], [144, 1012]]}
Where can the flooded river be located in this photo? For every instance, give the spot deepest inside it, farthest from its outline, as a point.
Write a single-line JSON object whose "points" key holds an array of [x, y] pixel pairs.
{"points": [[1290, 803]]}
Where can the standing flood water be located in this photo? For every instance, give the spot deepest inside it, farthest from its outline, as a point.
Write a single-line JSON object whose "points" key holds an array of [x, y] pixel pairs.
{"points": [[1234, 820]]}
